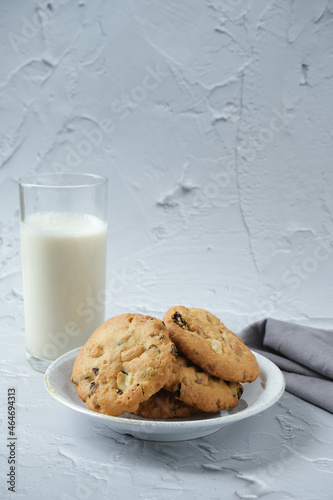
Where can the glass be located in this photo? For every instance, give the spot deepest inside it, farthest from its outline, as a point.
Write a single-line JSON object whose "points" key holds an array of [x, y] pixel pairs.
{"points": [[63, 245]]}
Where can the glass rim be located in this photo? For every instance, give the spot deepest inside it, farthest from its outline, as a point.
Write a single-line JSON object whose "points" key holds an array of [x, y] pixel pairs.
{"points": [[34, 180]]}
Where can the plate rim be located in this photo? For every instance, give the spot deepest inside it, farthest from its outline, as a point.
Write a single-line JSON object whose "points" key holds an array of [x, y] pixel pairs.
{"points": [[169, 423]]}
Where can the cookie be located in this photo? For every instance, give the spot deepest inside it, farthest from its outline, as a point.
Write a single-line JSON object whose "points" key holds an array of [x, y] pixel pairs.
{"points": [[124, 362], [204, 339], [165, 405], [196, 388]]}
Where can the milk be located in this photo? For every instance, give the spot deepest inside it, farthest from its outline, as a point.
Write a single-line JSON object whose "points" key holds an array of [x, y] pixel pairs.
{"points": [[64, 267]]}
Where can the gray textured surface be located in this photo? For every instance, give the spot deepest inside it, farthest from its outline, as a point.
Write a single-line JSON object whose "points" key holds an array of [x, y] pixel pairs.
{"points": [[213, 122]]}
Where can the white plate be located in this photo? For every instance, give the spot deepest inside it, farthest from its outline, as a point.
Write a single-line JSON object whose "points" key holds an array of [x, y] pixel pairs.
{"points": [[257, 396]]}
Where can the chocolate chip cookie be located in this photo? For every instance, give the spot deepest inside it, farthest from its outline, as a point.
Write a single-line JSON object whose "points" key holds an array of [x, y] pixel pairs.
{"points": [[196, 388], [204, 339], [124, 362], [165, 405]]}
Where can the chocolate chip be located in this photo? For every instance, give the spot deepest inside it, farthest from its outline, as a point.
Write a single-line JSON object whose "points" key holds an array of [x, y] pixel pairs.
{"points": [[95, 370], [179, 320], [176, 405], [239, 392], [174, 351], [153, 345], [119, 391], [177, 392], [92, 387]]}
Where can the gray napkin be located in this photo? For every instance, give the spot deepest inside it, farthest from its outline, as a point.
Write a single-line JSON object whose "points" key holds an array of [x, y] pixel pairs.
{"points": [[305, 356]]}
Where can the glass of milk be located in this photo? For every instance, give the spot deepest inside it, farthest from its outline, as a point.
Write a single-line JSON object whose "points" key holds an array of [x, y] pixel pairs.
{"points": [[63, 246]]}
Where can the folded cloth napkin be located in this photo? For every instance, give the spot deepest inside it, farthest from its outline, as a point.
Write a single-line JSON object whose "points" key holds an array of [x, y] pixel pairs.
{"points": [[304, 354]]}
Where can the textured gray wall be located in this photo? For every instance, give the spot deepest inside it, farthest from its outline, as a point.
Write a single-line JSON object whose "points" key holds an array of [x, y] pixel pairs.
{"points": [[213, 122]]}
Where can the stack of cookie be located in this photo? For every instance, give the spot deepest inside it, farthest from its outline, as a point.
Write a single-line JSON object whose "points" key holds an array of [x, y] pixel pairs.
{"points": [[186, 364]]}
